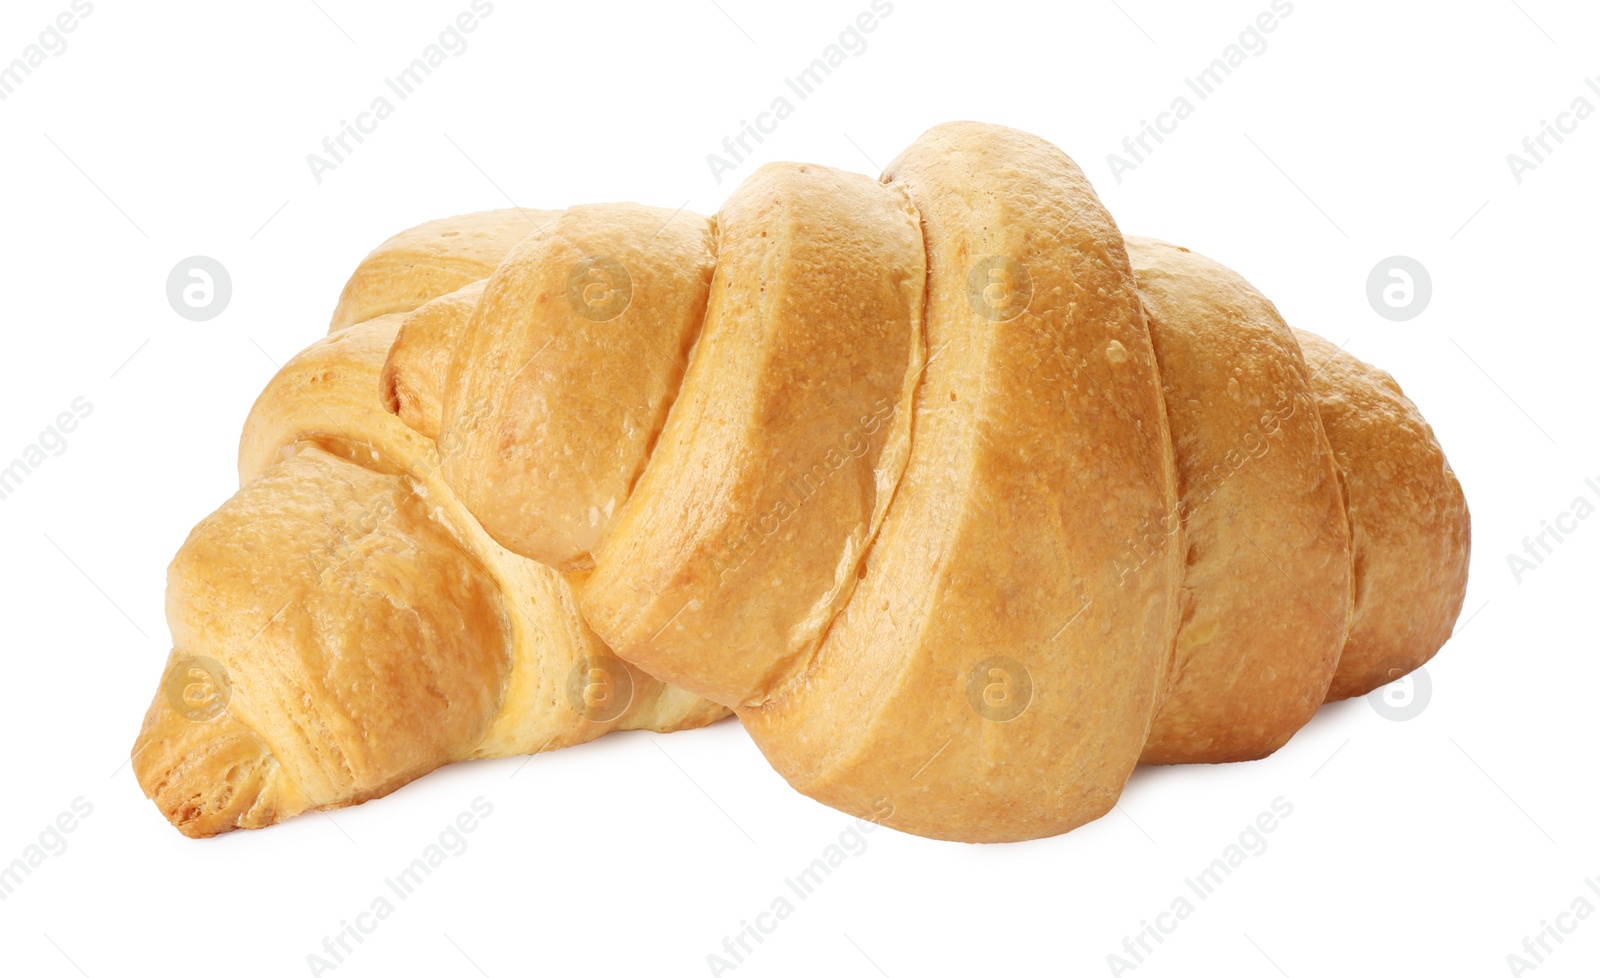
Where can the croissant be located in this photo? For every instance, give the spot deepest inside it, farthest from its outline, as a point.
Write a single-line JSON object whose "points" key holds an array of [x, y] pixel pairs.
{"points": [[342, 625], [961, 502]]}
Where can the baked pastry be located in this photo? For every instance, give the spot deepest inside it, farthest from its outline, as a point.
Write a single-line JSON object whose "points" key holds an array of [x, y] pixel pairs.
{"points": [[342, 626], [431, 260], [964, 504], [959, 509], [1411, 533], [1267, 578]]}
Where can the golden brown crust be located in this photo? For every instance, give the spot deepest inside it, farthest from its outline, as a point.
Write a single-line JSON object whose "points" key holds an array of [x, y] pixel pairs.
{"points": [[1013, 585], [303, 586], [368, 628], [1411, 532], [431, 260], [780, 456], [414, 374], [560, 383], [1266, 588], [1039, 447], [1040, 462], [328, 396], [209, 777]]}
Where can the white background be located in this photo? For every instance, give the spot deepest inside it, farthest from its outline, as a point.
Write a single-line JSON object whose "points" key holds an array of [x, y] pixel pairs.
{"points": [[1365, 129]]}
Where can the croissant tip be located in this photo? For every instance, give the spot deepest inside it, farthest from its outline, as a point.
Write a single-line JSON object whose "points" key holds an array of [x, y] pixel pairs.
{"points": [[210, 776]]}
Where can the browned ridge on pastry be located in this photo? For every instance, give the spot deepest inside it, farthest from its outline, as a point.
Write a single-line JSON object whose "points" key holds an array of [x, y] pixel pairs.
{"points": [[961, 502]]}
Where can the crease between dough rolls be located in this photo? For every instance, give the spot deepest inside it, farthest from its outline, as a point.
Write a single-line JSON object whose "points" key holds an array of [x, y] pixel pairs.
{"points": [[343, 625], [1089, 503]]}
